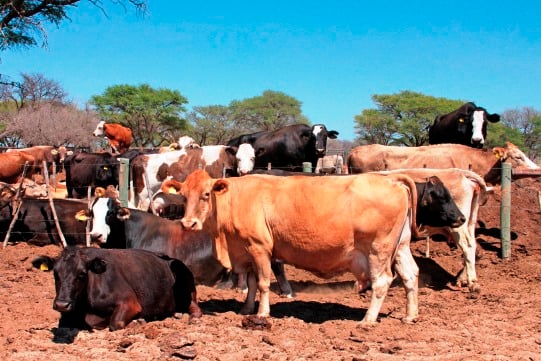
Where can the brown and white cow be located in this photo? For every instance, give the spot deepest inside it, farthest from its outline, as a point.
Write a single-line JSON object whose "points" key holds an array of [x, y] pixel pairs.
{"points": [[468, 191], [486, 163], [119, 136], [326, 225], [149, 171]]}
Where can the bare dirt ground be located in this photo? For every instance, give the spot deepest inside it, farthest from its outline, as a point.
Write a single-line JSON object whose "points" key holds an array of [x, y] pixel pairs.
{"points": [[502, 323]]}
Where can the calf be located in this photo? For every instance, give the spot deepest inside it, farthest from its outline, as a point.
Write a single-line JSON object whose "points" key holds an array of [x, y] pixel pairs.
{"points": [[96, 288], [118, 227]]}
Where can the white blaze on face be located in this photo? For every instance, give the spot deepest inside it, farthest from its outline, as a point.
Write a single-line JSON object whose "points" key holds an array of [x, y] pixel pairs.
{"points": [[185, 141], [99, 129], [316, 131], [477, 123], [100, 229], [245, 159]]}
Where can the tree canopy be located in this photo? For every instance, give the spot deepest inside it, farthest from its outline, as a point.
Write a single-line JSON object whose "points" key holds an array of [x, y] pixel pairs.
{"points": [[401, 119], [22, 22], [269, 111], [154, 116]]}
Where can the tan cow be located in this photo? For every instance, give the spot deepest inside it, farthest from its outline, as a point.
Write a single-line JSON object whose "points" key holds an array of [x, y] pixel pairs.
{"points": [[486, 163], [326, 225], [47, 153], [468, 191], [12, 165]]}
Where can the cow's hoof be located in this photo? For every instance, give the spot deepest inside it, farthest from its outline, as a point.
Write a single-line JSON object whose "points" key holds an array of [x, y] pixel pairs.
{"points": [[409, 320], [254, 322], [246, 310], [475, 291], [366, 325]]}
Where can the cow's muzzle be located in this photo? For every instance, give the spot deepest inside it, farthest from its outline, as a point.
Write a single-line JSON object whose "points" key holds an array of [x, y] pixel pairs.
{"points": [[62, 306], [191, 224]]}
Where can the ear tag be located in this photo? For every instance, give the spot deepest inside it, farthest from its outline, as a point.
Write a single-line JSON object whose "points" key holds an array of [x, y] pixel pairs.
{"points": [[43, 267], [172, 190]]}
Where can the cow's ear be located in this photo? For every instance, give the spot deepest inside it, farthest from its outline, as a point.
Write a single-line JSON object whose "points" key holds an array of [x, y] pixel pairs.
{"points": [[231, 150], [123, 214], [332, 134], [499, 152], [69, 152], [493, 118], [259, 152], [44, 263], [97, 265], [54, 151], [221, 186]]}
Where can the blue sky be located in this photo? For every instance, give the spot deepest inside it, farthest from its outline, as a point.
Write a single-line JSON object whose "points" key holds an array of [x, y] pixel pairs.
{"points": [[330, 55]]}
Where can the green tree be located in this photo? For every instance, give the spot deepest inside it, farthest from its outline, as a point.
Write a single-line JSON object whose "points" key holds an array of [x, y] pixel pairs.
{"points": [[401, 119], [211, 124], [525, 121], [269, 111], [153, 115], [22, 22]]}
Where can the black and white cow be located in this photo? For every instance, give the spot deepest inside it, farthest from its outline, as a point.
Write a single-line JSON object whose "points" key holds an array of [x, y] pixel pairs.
{"points": [[288, 147], [466, 125]]}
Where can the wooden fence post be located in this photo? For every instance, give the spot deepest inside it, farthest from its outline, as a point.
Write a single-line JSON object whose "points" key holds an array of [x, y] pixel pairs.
{"points": [[505, 212]]}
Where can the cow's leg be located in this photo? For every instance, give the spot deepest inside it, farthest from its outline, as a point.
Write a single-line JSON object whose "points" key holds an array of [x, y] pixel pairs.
{"points": [[124, 312], [465, 238], [408, 270], [280, 274], [381, 278], [249, 302]]}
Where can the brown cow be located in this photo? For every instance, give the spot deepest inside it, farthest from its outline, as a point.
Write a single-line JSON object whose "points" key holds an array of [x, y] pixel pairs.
{"points": [[12, 165], [326, 225], [468, 192], [486, 163], [46, 153], [119, 136]]}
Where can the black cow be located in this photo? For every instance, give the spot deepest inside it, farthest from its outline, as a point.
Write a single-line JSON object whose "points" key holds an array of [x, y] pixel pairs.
{"points": [[90, 169], [96, 288], [467, 126], [35, 223], [118, 227], [288, 147]]}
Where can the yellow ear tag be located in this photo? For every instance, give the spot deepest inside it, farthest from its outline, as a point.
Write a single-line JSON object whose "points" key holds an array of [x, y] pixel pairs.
{"points": [[172, 190], [461, 120], [105, 168], [43, 267], [81, 216], [497, 155]]}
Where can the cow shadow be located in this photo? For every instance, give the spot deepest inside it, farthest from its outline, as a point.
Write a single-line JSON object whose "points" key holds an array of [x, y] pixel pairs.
{"points": [[432, 275], [494, 232], [64, 335]]}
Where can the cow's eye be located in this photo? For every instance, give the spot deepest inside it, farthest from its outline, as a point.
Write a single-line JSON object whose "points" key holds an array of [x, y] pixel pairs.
{"points": [[206, 196]]}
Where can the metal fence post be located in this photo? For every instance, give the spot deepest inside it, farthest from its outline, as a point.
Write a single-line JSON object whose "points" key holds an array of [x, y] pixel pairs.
{"points": [[505, 211], [123, 181]]}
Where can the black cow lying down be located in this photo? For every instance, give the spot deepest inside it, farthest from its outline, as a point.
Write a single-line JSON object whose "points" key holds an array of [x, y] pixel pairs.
{"points": [[96, 288]]}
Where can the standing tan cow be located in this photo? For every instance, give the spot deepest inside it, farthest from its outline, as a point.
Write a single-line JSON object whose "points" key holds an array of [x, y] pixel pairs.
{"points": [[486, 163], [326, 225]]}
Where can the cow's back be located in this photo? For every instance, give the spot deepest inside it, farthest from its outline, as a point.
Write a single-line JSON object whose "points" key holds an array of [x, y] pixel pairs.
{"points": [[311, 222]]}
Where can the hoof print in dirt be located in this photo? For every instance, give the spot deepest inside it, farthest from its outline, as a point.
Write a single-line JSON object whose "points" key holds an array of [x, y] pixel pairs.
{"points": [[256, 323]]}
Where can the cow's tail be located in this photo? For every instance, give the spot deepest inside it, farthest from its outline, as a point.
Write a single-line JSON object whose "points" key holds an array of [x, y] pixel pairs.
{"points": [[412, 191]]}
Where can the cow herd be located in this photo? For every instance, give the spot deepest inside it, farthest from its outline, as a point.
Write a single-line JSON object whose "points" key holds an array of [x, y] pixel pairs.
{"points": [[198, 214]]}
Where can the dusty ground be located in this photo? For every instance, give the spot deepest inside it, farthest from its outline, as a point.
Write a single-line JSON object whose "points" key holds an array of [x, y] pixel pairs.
{"points": [[503, 323]]}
